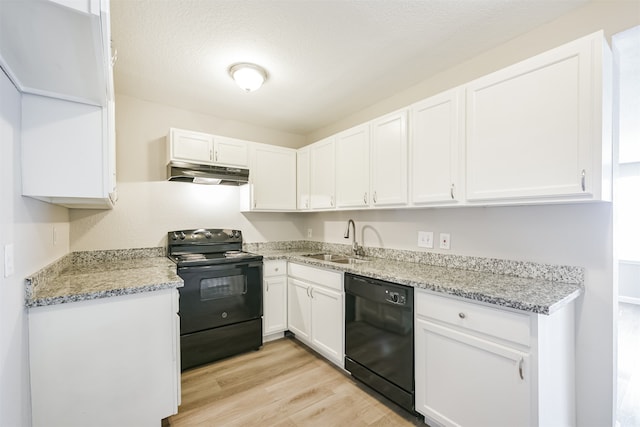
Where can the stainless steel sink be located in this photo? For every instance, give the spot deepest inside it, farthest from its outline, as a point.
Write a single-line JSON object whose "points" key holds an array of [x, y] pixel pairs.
{"points": [[337, 258]]}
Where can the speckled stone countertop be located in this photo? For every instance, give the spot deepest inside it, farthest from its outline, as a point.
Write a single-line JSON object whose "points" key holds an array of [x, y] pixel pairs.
{"points": [[91, 275], [537, 288]]}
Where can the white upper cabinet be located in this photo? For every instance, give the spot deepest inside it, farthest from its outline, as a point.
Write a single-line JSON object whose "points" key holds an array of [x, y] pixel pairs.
{"points": [[202, 148], [352, 167], [389, 142], [302, 170], [322, 174], [68, 152], [40, 58], [272, 178], [437, 130], [538, 130]]}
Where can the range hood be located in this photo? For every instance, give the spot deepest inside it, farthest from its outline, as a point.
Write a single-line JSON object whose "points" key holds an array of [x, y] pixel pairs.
{"points": [[207, 174]]}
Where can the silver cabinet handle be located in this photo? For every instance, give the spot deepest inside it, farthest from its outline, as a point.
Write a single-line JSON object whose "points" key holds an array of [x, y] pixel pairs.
{"points": [[276, 269], [520, 368], [215, 156], [583, 180], [211, 155], [311, 291], [332, 201], [309, 296], [453, 197], [365, 197], [267, 286], [462, 315], [375, 197]]}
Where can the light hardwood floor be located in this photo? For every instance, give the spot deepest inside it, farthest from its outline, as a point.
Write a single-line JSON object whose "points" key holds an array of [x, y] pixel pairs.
{"points": [[283, 384]]}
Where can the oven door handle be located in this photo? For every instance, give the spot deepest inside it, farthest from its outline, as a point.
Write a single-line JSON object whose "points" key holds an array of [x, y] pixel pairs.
{"points": [[220, 267]]}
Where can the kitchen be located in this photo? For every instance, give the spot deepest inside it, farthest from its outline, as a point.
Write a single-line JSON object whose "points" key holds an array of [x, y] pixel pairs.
{"points": [[148, 207]]}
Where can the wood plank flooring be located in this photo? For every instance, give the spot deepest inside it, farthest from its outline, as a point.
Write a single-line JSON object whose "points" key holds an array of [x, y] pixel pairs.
{"points": [[284, 384]]}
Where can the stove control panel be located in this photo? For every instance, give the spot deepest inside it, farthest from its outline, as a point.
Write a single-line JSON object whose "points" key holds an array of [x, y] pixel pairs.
{"points": [[205, 235]]}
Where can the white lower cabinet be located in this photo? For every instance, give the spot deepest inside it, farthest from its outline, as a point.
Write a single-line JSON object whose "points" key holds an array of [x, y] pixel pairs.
{"points": [[478, 366], [106, 362], [275, 297], [315, 310]]}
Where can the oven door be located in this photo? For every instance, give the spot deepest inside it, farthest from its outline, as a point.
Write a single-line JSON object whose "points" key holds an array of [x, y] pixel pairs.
{"points": [[218, 295]]}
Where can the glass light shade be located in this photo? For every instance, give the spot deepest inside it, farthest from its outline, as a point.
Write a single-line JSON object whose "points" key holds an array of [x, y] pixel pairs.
{"points": [[248, 76]]}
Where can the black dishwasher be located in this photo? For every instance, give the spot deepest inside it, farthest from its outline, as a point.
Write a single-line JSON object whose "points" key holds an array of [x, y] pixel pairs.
{"points": [[379, 337]]}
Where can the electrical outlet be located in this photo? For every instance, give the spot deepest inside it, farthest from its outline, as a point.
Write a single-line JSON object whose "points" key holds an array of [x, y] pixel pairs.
{"points": [[425, 239], [309, 233], [445, 241]]}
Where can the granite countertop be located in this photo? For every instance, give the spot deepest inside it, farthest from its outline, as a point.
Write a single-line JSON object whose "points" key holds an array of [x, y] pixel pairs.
{"points": [[101, 274], [531, 294]]}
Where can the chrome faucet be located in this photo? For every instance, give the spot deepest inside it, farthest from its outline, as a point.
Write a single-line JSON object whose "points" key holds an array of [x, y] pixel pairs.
{"points": [[357, 249]]}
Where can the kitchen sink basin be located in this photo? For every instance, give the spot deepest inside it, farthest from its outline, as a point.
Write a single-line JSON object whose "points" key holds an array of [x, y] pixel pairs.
{"points": [[338, 259]]}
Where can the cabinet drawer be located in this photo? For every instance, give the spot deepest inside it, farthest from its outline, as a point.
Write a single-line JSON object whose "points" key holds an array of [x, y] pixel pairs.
{"points": [[274, 268], [327, 278], [502, 324]]}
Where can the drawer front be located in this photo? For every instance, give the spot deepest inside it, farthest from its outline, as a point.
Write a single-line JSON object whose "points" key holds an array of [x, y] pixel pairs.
{"points": [[503, 324], [330, 279], [274, 268]]}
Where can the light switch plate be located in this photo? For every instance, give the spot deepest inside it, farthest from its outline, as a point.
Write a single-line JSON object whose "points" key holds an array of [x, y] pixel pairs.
{"points": [[8, 260], [425, 239]]}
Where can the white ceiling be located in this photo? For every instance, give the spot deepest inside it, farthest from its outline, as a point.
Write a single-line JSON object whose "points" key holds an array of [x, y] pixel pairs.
{"points": [[325, 58]]}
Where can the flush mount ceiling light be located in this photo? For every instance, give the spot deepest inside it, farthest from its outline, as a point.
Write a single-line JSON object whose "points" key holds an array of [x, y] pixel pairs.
{"points": [[248, 76]]}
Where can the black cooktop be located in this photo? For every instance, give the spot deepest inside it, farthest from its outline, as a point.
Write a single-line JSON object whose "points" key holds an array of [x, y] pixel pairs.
{"points": [[207, 246]]}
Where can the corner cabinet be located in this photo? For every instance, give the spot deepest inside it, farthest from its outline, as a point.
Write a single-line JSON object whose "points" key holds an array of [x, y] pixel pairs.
{"points": [[275, 299], [481, 366], [111, 361], [315, 310], [203, 148], [437, 132], [540, 129], [272, 179]]}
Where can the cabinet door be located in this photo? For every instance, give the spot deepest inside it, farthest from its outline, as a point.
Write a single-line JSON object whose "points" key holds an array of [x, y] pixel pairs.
{"points": [[327, 324], [389, 159], [303, 190], [130, 341], [273, 177], [533, 128], [323, 174], [436, 138], [299, 309], [352, 167], [462, 380], [65, 152], [275, 304], [229, 151], [188, 146]]}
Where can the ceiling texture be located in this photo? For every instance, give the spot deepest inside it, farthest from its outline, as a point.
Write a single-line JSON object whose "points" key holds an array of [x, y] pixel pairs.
{"points": [[325, 59]]}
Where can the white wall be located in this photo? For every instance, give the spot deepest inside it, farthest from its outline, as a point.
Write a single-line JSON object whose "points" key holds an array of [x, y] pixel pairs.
{"points": [[612, 16], [28, 224], [149, 206]]}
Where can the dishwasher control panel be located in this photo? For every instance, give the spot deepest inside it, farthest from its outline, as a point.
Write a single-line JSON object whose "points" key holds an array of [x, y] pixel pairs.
{"points": [[395, 297]]}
